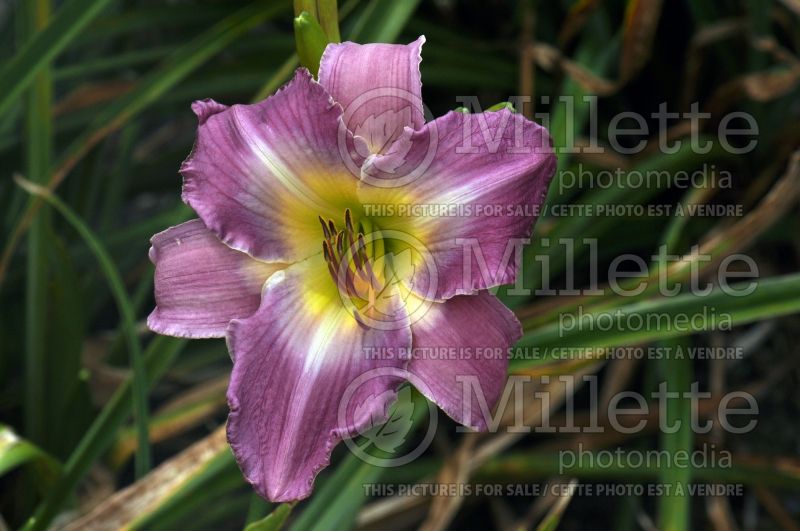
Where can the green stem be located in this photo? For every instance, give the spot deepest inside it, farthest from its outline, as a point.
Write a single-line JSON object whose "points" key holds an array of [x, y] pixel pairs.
{"points": [[325, 12]]}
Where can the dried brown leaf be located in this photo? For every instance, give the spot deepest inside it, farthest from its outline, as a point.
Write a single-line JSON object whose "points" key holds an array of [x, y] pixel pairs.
{"points": [[550, 58], [124, 507], [456, 470], [641, 22]]}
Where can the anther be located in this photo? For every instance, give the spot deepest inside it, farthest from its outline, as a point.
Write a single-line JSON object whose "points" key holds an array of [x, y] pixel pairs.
{"points": [[362, 247], [325, 230], [348, 220], [340, 243], [347, 257], [325, 251]]}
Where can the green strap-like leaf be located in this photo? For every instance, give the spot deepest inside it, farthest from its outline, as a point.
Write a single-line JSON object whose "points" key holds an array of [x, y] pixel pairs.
{"points": [[273, 521], [382, 20], [38, 148], [553, 517], [127, 315], [159, 355], [153, 86], [15, 452], [18, 73], [771, 298], [674, 511]]}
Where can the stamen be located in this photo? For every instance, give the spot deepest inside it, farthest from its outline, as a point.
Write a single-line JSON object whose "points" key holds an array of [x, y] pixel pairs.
{"points": [[325, 231], [371, 278], [353, 249], [333, 270], [362, 248], [325, 251], [350, 241], [340, 243], [347, 257], [348, 220]]}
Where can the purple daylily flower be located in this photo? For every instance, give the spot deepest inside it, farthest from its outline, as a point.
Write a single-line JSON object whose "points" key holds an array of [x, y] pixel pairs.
{"points": [[295, 255]]}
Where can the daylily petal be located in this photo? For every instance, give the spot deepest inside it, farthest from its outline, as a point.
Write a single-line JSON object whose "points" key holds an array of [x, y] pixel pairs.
{"points": [[294, 360], [260, 175], [206, 108], [201, 284], [379, 87], [460, 348], [476, 182]]}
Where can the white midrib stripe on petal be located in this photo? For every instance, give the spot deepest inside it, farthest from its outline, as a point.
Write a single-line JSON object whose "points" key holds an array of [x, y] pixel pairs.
{"points": [[320, 343], [272, 162]]}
